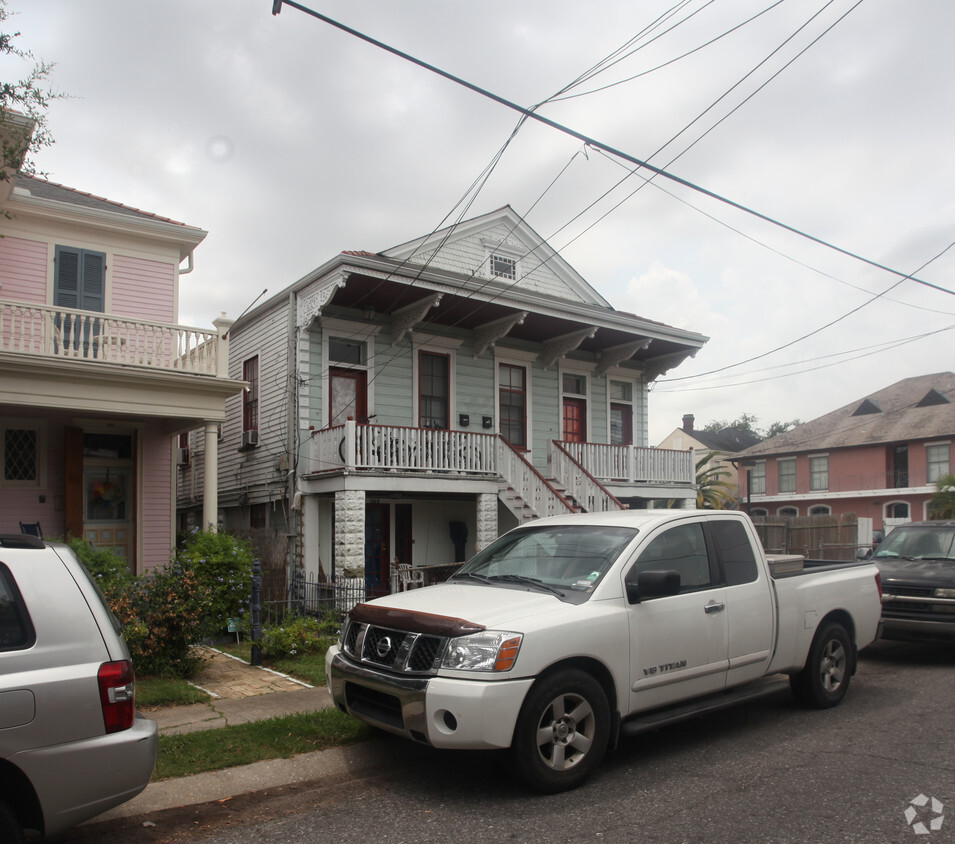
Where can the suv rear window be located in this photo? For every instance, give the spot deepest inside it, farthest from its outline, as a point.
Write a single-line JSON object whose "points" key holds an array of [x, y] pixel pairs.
{"points": [[16, 631]]}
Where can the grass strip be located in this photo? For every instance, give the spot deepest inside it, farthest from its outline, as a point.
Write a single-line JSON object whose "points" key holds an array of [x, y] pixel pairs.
{"points": [[153, 692], [271, 738]]}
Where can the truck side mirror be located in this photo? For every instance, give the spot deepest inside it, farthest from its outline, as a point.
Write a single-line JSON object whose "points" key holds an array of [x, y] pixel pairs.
{"points": [[653, 584]]}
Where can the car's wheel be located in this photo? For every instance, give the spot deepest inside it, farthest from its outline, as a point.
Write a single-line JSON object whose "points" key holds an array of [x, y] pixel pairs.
{"points": [[825, 679], [10, 829], [562, 731]]}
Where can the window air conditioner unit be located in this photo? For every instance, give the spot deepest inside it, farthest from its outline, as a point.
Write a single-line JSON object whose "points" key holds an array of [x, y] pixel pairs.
{"points": [[182, 456], [250, 438]]}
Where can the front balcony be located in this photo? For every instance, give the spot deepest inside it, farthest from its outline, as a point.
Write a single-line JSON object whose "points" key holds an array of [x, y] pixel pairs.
{"points": [[45, 333], [580, 476]]}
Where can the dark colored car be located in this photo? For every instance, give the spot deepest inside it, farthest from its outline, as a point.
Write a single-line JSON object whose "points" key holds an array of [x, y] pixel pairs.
{"points": [[917, 562]]}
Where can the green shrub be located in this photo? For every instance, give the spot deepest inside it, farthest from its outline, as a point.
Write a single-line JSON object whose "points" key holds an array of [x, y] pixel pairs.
{"points": [[221, 566], [298, 635], [161, 616], [107, 568]]}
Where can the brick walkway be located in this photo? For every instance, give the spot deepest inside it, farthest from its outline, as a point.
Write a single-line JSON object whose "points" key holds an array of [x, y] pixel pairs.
{"points": [[228, 677]]}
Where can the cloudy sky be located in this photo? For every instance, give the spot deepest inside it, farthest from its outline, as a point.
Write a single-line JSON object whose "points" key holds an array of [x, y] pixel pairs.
{"points": [[289, 140]]}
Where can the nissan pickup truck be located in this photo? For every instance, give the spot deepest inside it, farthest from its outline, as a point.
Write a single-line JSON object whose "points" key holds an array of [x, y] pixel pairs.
{"points": [[566, 633]]}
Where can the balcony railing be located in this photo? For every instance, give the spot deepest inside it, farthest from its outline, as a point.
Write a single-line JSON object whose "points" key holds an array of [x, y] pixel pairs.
{"points": [[359, 447], [631, 464], [64, 333]]}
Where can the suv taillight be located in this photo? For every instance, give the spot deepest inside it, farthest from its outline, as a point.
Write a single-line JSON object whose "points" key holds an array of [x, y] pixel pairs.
{"points": [[117, 695]]}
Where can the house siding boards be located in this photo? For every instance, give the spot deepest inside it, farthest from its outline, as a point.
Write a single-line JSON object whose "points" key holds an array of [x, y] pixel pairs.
{"points": [[143, 288], [23, 270], [860, 453], [415, 479]]}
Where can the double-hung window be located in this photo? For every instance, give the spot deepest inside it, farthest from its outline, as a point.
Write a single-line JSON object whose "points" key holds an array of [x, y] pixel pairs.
{"points": [[937, 461], [250, 398], [787, 474], [757, 478], [819, 472], [512, 400], [433, 390]]}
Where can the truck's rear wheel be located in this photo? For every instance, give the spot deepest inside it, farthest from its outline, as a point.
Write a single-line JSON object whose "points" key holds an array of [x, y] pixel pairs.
{"points": [[10, 829], [825, 679], [562, 731]]}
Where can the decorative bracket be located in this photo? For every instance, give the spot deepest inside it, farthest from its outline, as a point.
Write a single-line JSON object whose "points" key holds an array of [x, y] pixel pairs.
{"points": [[310, 306], [655, 367], [616, 355], [405, 319], [558, 347], [488, 334]]}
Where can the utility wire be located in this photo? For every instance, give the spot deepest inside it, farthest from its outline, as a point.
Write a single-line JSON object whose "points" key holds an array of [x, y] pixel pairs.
{"points": [[277, 6]]}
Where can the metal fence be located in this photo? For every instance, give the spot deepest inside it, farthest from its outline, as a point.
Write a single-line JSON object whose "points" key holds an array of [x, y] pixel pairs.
{"points": [[302, 595]]}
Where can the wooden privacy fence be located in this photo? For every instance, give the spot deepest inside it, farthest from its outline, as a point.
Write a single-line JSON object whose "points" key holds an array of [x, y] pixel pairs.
{"points": [[816, 537]]}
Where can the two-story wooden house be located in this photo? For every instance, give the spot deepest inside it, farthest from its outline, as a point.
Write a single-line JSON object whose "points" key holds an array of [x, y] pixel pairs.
{"points": [[877, 457], [97, 379], [407, 406]]}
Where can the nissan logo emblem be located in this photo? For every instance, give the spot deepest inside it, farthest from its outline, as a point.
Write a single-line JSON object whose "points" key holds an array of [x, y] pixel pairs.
{"points": [[383, 646]]}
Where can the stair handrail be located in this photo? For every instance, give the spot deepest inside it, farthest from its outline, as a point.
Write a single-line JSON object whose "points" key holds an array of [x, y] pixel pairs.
{"points": [[579, 494], [528, 495]]}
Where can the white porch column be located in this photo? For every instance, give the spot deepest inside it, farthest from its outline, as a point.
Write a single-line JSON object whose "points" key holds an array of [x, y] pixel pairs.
{"points": [[349, 530], [310, 531], [486, 520], [210, 485]]}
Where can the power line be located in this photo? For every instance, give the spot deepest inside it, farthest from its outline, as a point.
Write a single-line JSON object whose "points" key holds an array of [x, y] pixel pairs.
{"points": [[530, 113]]}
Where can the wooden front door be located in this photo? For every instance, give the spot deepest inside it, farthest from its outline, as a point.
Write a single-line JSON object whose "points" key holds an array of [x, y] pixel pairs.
{"points": [[575, 420], [377, 551]]}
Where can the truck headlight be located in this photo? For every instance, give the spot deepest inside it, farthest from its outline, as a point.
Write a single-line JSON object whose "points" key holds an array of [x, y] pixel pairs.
{"points": [[944, 593], [489, 650]]}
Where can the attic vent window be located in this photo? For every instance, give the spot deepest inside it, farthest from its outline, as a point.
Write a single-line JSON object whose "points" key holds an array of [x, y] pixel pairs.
{"points": [[866, 408], [933, 397], [503, 267]]}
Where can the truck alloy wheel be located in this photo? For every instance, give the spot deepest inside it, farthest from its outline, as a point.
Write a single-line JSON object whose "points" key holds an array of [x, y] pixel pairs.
{"points": [[562, 731], [825, 679]]}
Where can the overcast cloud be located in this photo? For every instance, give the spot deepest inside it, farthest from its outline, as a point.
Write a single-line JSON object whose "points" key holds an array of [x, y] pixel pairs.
{"points": [[289, 141]]}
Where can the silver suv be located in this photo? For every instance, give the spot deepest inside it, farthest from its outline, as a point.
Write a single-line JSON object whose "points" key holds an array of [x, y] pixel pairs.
{"points": [[71, 742]]}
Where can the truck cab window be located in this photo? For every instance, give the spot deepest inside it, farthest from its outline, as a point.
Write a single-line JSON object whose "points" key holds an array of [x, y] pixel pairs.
{"points": [[681, 549], [735, 551]]}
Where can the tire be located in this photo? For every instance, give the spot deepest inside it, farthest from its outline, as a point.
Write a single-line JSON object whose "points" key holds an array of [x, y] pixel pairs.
{"points": [[825, 679], [10, 829], [562, 731]]}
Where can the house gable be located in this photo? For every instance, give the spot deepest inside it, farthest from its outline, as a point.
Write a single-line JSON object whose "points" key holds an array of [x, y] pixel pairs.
{"points": [[500, 246]]}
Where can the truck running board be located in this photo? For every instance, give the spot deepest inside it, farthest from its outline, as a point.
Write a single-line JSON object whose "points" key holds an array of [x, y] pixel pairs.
{"points": [[657, 718]]}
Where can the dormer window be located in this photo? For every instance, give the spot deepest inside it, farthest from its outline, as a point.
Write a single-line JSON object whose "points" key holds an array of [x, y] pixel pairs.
{"points": [[503, 267]]}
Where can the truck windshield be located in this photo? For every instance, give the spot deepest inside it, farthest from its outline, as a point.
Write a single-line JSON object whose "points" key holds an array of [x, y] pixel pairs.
{"points": [[573, 557], [918, 544]]}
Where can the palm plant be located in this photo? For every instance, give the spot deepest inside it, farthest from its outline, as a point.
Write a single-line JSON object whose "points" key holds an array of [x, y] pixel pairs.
{"points": [[942, 504], [713, 491]]}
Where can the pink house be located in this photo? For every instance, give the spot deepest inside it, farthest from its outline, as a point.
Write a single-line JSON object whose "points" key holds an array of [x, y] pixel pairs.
{"points": [[97, 378], [877, 457]]}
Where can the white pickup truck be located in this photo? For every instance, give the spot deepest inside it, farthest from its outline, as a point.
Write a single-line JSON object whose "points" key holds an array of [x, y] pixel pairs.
{"points": [[568, 632]]}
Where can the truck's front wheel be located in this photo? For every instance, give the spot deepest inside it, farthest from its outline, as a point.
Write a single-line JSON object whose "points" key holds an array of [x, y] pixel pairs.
{"points": [[825, 679], [562, 731]]}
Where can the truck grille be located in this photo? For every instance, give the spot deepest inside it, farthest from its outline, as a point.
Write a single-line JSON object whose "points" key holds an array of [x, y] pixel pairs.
{"points": [[394, 650]]}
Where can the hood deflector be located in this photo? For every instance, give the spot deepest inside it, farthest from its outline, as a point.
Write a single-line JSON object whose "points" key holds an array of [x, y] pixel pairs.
{"points": [[414, 621]]}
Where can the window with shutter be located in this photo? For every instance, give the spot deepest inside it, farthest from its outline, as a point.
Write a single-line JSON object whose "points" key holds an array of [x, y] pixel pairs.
{"points": [[80, 279]]}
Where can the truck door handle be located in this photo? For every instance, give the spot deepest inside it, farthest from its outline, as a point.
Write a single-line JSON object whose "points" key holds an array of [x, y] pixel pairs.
{"points": [[714, 607]]}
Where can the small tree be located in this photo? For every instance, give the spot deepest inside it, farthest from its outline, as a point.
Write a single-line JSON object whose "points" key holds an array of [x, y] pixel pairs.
{"points": [[23, 106], [942, 504]]}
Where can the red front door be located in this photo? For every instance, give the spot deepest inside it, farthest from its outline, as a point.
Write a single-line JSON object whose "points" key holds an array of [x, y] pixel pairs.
{"points": [[575, 420]]}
